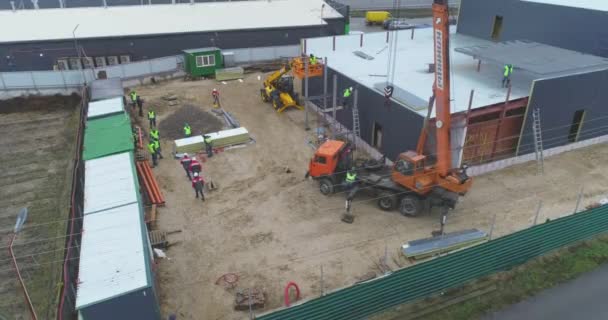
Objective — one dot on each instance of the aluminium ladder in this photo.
(538, 140)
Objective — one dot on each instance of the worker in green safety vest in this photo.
(154, 134)
(133, 95)
(208, 146)
(152, 149)
(313, 59)
(157, 148)
(506, 75)
(351, 178)
(152, 118)
(347, 96)
(187, 130)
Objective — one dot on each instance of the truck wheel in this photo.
(326, 187)
(410, 206)
(387, 201)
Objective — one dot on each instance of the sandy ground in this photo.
(37, 139)
(271, 227)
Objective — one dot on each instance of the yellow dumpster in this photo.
(376, 17)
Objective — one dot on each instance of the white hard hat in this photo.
(214, 89)
(196, 174)
(351, 88)
(185, 154)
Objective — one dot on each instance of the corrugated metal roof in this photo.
(107, 136)
(121, 21)
(536, 58)
(598, 5)
(105, 107)
(106, 89)
(109, 182)
(113, 260)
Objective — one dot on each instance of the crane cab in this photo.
(410, 171)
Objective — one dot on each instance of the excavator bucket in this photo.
(298, 67)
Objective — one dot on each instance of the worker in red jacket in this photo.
(197, 184)
(195, 166)
(216, 97)
(185, 161)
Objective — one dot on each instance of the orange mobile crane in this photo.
(411, 182)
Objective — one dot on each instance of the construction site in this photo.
(314, 185)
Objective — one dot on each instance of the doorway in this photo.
(377, 136)
(497, 28)
(577, 124)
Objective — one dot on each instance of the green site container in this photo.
(202, 62)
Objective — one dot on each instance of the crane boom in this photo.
(441, 88)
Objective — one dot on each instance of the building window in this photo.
(321, 160)
(205, 61)
(497, 28)
(577, 124)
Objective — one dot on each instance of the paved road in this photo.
(583, 298)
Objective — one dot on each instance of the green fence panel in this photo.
(453, 270)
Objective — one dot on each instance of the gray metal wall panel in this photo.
(558, 100)
(569, 28)
(140, 304)
(400, 126)
(27, 56)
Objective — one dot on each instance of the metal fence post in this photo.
(335, 102)
(34, 81)
(4, 87)
(322, 282)
(306, 127)
(540, 205)
(578, 199)
(492, 227)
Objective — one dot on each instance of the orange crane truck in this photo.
(411, 184)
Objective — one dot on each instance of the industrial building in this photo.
(73, 38)
(576, 25)
(489, 121)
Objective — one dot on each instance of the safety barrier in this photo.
(67, 299)
(453, 270)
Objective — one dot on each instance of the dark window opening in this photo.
(321, 160)
(575, 128)
(497, 28)
(515, 112)
(377, 136)
(485, 117)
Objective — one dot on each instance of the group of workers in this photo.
(193, 171)
(136, 100)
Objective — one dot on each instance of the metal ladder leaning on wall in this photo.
(356, 124)
(538, 141)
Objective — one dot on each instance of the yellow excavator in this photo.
(278, 90)
(278, 87)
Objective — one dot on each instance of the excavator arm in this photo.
(272, 79)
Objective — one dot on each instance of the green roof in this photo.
(107, 136)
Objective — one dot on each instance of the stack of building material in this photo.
(229, 137)
(192, 144)
(229, 74)
(150, 184)
(428, 247)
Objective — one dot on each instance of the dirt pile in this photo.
(200, 121)
(34, 103)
